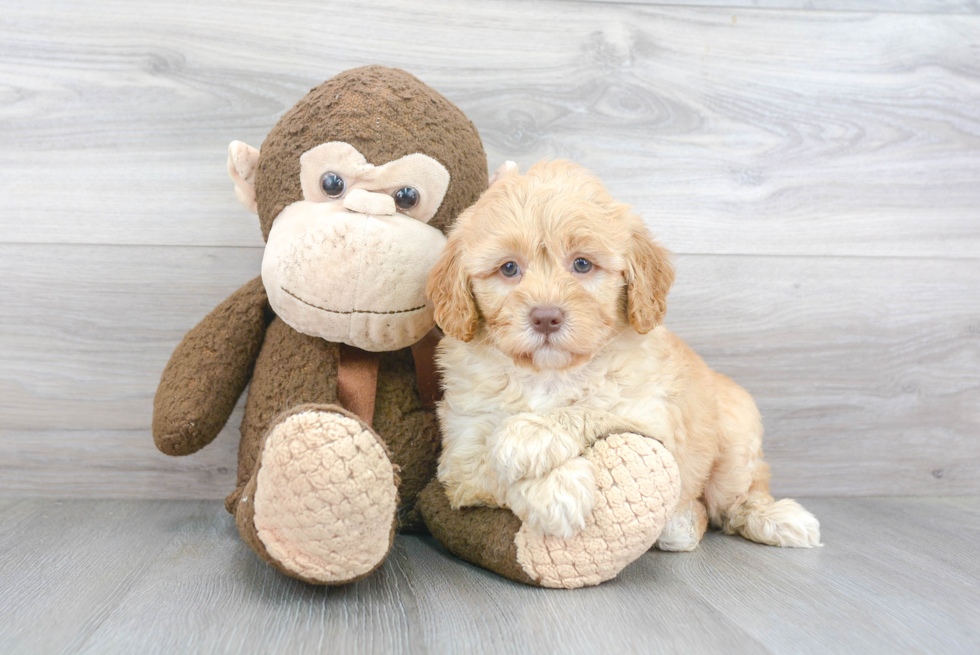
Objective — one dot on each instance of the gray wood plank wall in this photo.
(817, 173)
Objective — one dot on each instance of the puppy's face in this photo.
(551, 266)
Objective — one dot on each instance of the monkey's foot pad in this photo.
(325, 497)
(637, 488)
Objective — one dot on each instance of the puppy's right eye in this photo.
(510, 269)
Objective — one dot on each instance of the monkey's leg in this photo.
(315, 485)
(320, 505)
(637, 487)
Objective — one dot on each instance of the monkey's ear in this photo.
(243, 160)
(449, 290)
(505, 169)
(649, 276)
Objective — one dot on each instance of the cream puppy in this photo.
(551, 295)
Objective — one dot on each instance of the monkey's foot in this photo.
(637, 487)
(321, 504)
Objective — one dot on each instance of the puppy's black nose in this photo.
(547, 319)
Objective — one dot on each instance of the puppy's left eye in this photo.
(510, 269)
(582, 265)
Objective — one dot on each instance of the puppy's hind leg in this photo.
(774, 522)
(737, 491)
(685, 528)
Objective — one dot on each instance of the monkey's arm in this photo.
(208, 372)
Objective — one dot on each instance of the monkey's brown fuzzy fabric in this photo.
(386, 114)
(208, 371)
(291, 369)
(480, 535)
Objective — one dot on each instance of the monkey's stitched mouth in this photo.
(351, 311)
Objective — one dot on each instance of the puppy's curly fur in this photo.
(522, 403)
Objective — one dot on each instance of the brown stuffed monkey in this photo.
(354, 188)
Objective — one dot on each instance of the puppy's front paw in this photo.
(558, 502)
(530, 446)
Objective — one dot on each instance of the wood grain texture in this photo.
(895, 575)
(780, 132)
(877, 6)
(903, 579)
(865, 369)
(67, 565)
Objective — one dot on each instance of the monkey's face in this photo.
(349, 262)
(355, 186)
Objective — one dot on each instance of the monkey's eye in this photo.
(406, 198)
(510, 269)
(582, 265)
(332, 185)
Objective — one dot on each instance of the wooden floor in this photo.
(895, 575)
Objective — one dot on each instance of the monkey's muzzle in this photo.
(349, 277)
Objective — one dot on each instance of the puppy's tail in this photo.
(762, 519)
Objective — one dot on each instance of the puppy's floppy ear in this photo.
(449, 290)
(649, 276)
